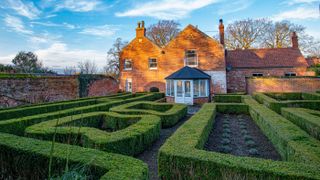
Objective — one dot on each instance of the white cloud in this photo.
(293, 2)
(59, 55)
(166, 9)
(26, 9)
(51, 24)
(103, 31)
(234, 6)
(299, 13)
(16, 25)
(72, 5)
(6, 59)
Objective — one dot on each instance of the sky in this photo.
(65, 32)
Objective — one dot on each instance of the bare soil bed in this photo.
(238, 135)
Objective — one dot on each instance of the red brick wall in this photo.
(292, 84)
(202, 100)
(236, 79)
(170, 59)
(103, 87)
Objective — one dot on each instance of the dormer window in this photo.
(127, 64)
(153, 63)
(191, 58)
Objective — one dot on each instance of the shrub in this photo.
(154, 89)
(277, 105)
(170, 114)
(306, 119)
(18, 125)
(226, 98)
(28, 158)
(132, 133)
(182, 157)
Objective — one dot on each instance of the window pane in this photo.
(172, 88)
(187, 88)
(196, 88)
(202, 88)
(191, 58)
(153, 63)
(127, 64)
(179, 88)
(168, 88)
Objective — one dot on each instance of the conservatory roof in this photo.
(189, 73)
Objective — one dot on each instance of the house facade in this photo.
(143, 65)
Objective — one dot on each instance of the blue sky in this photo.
(65, 32)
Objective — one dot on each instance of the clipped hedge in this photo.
(170, 114)
(18, 125)
(306, 119)
(130, 134)
(29, 158)
(227, 98)
(292, 143)
(182, 157)
(276, 105)
(52, 107)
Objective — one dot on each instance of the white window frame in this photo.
(153, 68)
(257, 74)
(124, 65)
(169, 89)
(199, 92)
(290, 74)
(196, 58)
(129, 80)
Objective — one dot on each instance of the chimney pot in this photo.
(142, 24)
(139, 23)
(140, 31)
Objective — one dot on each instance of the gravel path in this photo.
(150, 155)
(240, 136)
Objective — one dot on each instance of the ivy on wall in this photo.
(84, 82)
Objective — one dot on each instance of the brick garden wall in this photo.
(236, 79)
(20, 91)
(292, 84)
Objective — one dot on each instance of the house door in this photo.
(128, 85)
(184, 91)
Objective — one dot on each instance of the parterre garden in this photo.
(264, 136)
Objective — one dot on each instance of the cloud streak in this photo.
(166, 9)
(102, 31)
(16, 24)
(299, 13)
(26, 9)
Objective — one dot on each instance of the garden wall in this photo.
(20, 90)
(282, 84)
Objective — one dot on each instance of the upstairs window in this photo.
(127, 64)
(191, 58)
(257, 74)
(289, 74)
(153, 63)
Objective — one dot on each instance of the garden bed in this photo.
(238, 135)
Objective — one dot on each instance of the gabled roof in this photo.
(189, 73)
(268, 57)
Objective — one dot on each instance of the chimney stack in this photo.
(221, 31)
(140, 30)
(294, 39)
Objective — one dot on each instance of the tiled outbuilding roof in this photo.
(265, 58)
(189, 73)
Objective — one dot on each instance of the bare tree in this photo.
(88, 67)
(278, 34)
(163, 31)
(113, 64)
(245, 34)
(70, 70)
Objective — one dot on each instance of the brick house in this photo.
(143, 65)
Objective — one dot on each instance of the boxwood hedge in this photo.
(306, 119)
(309, 100)
(18, 125)
(130, 134)
(28, 158)
(292, 143)
(182, 157)
(57, 106)
(227, 98)
(170, 114)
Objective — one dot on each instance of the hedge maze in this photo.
(101, 138)
(183, 155)
(50, 140)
